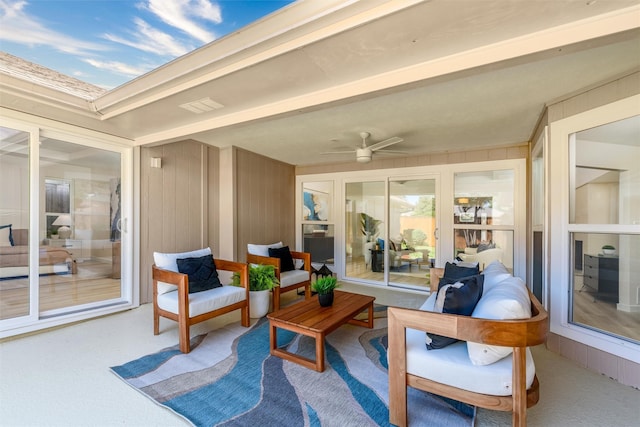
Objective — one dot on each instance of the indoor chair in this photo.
(289, 277)
(171, 297)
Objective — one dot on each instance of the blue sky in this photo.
(109, 42)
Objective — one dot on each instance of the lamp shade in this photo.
(64, 221)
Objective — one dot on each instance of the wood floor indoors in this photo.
(92, 283)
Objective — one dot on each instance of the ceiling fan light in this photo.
(363, 155)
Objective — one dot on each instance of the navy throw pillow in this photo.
(286, 260)
(455, 296)
(454, 271)
(201, 271)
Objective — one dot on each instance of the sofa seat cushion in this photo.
(288, 278)
(205, 301)
(452, 366)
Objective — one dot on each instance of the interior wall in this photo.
(265, 201)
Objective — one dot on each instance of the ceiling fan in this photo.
(364, 153)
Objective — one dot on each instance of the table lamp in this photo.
(64, 221)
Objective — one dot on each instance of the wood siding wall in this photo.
(265, 201)
(180, 207)
(178, 203)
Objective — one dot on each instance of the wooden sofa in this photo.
(517, 334)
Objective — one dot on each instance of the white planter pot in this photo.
(259, 303)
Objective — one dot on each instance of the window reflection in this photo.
(605, 284)
(604, 209)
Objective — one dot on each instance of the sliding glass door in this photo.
(61, 228)
(365, 226)
(390, 231)
(15, 297)
(80, 225)
(412, 231)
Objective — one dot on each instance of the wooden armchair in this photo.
(518, 334)
(289, 280)
(172, 300)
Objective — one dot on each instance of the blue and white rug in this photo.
(230, 379)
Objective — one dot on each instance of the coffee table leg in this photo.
(320, 353)
(273, 338)
(366, 323)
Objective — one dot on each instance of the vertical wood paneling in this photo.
(265, 189)
(171, 208)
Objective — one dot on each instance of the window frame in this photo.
(559, 228)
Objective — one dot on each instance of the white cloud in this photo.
(149, 39)
(118, 67)
(182, 14)
(18, 27)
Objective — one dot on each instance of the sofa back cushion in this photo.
(506, 300)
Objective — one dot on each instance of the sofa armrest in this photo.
(508, 333)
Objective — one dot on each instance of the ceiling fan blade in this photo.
(385, 143)
(392, 152)
(338, 152)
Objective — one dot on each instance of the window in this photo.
(604, 194)
(483, 215)
(594, 227)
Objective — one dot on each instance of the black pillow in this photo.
(202, 273)
(457, 296)
(454, 271)
(286, 260)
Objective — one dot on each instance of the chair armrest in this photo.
(170, 277)
(264, 260)
(235, 267)
(305, 257)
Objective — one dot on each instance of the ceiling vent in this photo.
(202, 105)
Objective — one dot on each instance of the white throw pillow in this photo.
(262, 250)
(508, 299)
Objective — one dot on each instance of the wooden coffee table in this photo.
(310, 319)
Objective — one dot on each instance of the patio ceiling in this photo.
(312, 76)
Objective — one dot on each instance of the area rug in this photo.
(230, 379)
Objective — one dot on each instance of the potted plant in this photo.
(369, 226)
(262, 279)
(608, 250)
(324, 286)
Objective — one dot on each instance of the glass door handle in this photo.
(436, 233)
